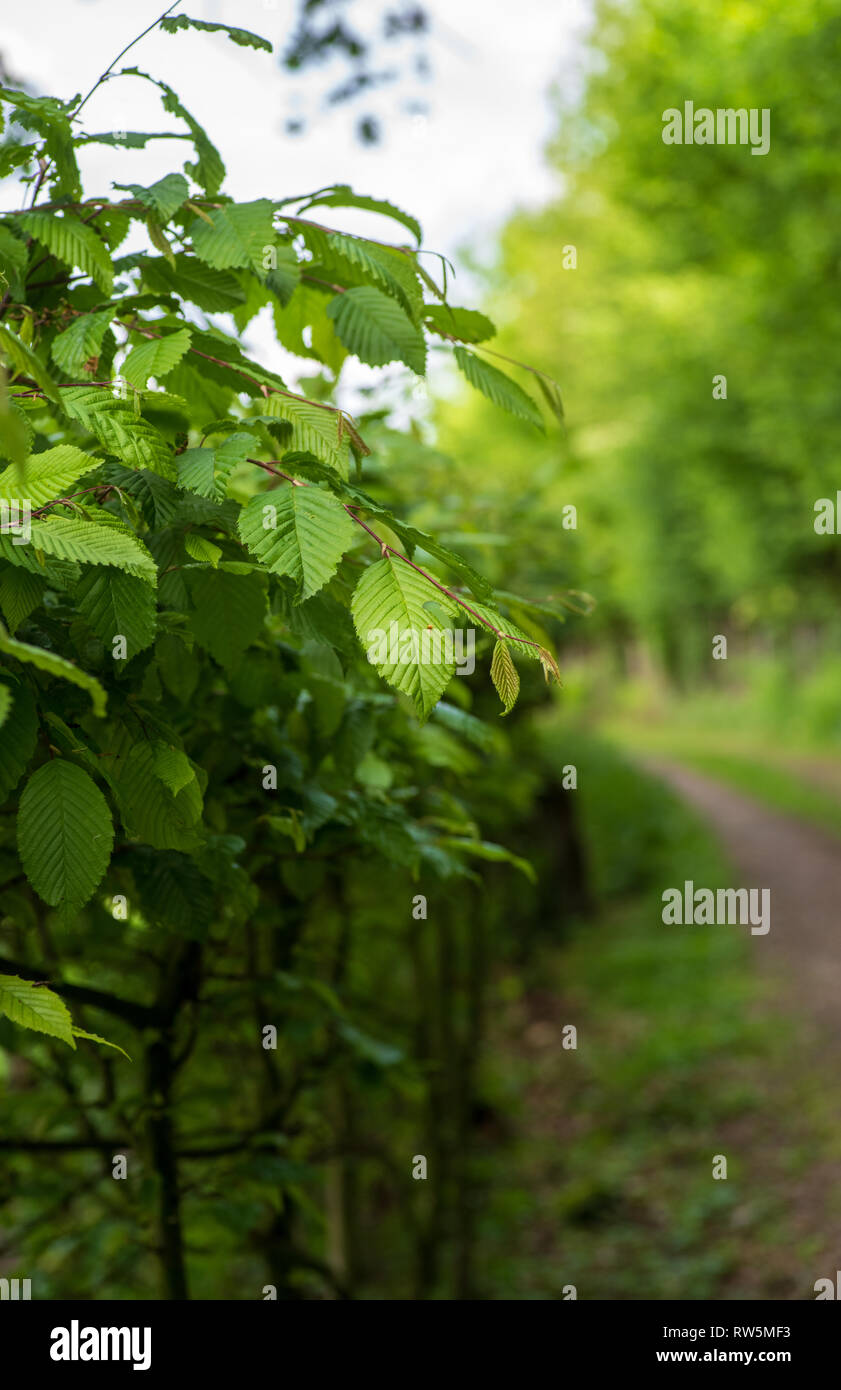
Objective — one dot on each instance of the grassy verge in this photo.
(796, 783)
(682, 1054)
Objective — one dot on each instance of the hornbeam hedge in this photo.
(217, 665)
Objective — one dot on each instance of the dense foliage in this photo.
(233, 761)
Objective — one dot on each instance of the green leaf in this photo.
(113, 422)
(129, 139)
(50, 116)
(116, 604)
(31, 1005)
(13, 257)
(496, 854)
(202, 550)
(94, 1037)
(20, 594)
(229, 613)
(505, 676)
(73, 242)
(19, 737)
(300, 531)
(366, 262)
(159, 239)
(155, 496)
(54, 665)
(516, 638)
(45, 476)
(206, 471)
(176, 896)
(551, 393)
(81, 342)
(24, 362)
(208, 170)
(238, 236)
(244, 37)
(394, 611)
(65, 835)
(16, 433)
(148, 808)
(315, 430)
(214, 291)
(341, 195)
(163, 198)
(498, 387)
(69, 538)
(466, 324)
(14, 156)
(284, 279)
(376, 329)
(155, 357)
(5, 703)
(372, 1049)
(173, 767)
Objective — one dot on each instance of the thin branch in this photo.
(387, 549)
(139, 1015)
(114, 61)
(265, 389)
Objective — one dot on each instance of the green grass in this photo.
(683, 1053)
(763, 772)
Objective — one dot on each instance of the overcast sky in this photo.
(461, 169)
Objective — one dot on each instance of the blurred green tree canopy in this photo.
(691, 262)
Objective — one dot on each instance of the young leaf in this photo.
(505, 676)
(65, 835)
(163, 198)
(199, 548)
(155, 357)
(81, 342)
(206, 470)
(94, 1037)
(394, 612)
(468, 325)
(173, 767)
(244, 37)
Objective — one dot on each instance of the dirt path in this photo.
(802, 867)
